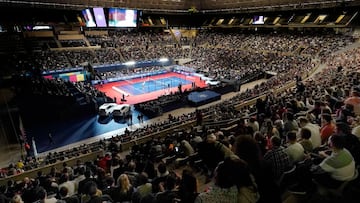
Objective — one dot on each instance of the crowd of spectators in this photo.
(262, 147)
(90, 92)
(155, 107)
(108, 56)
(45, 100)
(32, 162)
(134, 53)
(348, 60)
(104, 41)
(50, 60)
(61, 88)
(80, 57)
(130, 45)
(137, 38)
(207, 38)
(129, 72)
(73, 43)
(234, 64)
(236, 55)
(186, 41)
(154, 127)
(219, 110)
(239, 53)
(155, 52)
(278, 143)
(139, 46)
(314, 44)
(247, 164)
(62, 60)
(56, 87)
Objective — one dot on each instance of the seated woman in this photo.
(232, 183)
(125, 189)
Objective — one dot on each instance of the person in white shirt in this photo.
(339, 165)
(315, 131)
(80, 177)
(69, 184)
(295, 150)
(356, 127)
(42, 197)
(253, 124)
(356, 131)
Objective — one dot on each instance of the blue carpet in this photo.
(204, 97)
(152, 85)
(70, 131)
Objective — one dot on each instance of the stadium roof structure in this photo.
(188, 5)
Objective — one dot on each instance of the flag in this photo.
(34, 147)
(22, 130)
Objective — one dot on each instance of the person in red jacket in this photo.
(27, 149)
(105, 162)
(328, 127)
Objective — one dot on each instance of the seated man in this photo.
(277, 157)
(339, 165)
(168, 192)
(314, 129)
(294, 149)
(305, 140)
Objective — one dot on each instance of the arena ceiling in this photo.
(185, 5)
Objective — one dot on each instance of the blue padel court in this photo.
(152, 85)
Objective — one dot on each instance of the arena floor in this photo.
(12, 153)
(148, 88)
(75, 129)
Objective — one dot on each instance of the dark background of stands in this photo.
(10, 15)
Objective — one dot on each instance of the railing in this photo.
(127, 145)
(221, 123)
(75, 48)
(39, 34)
(71, 37)
(96, 33)
(46, 169)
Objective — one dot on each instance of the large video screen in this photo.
(100, 17)
(89, 20)
(122, 17)
(258, 20)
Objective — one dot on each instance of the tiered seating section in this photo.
(157, 143)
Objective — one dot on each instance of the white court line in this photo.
(190, 77)
(181, 80)
(119, 90)
(132, 86)
(163, 84)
